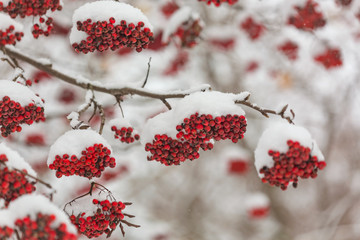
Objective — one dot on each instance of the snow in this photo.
(213, 102)
(256, 200)
(275, 138)
(31, 204)
(6, 21)
(102, 11)
(74, 142)
(15, 160)
(5, 219)
(119, 122)
(18, 93)
(74, 119)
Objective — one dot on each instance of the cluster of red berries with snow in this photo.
(252, 28)
(288, 167)
(13, 183)
(200, 129)
(5, 232)
(307, 18)
(125, 134)
(8, 36)
(38, 29)
(105, 219)
(92, 162)
(189, 33)
(104, 35)
(330, 59)
(25, 8)
(194, 133)
(219, 2)
(12, 114)
(41, 228)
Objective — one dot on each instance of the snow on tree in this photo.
(101, 91)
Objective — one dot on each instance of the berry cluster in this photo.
(38, 30)
(13, 183)
(189, 32)
(177, 64)
(9, 36)
(290, 49)
(5, 232)
(169, 8)
(288, 167)
(103, 35)
(42, 228)
(91, 163)
(194, 133)
(219, 2)
(105, 219)
(200, 129)
(252, 28)
(307, 18)
(125, 134)
(331, 58)
(12, 114)
(25, 8)
(170, 151)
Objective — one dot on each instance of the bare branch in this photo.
(147, 74)
(266, 112)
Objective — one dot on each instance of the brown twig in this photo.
(147, 74)
(266, 112)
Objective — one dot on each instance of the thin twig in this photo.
(266, 112)
(147, 74)
(167, 104)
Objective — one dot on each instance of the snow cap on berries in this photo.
(32, 204)
(14, 160)
(275, 138)
(212, 102)
(116, 18)
(19, 93)
(74, 142)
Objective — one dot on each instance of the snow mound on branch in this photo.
(6, 21)
(275, 138)
(19, 93)
(15, 160)
(102, 11)
(74, 142)
(32, 204)
(214, 103)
